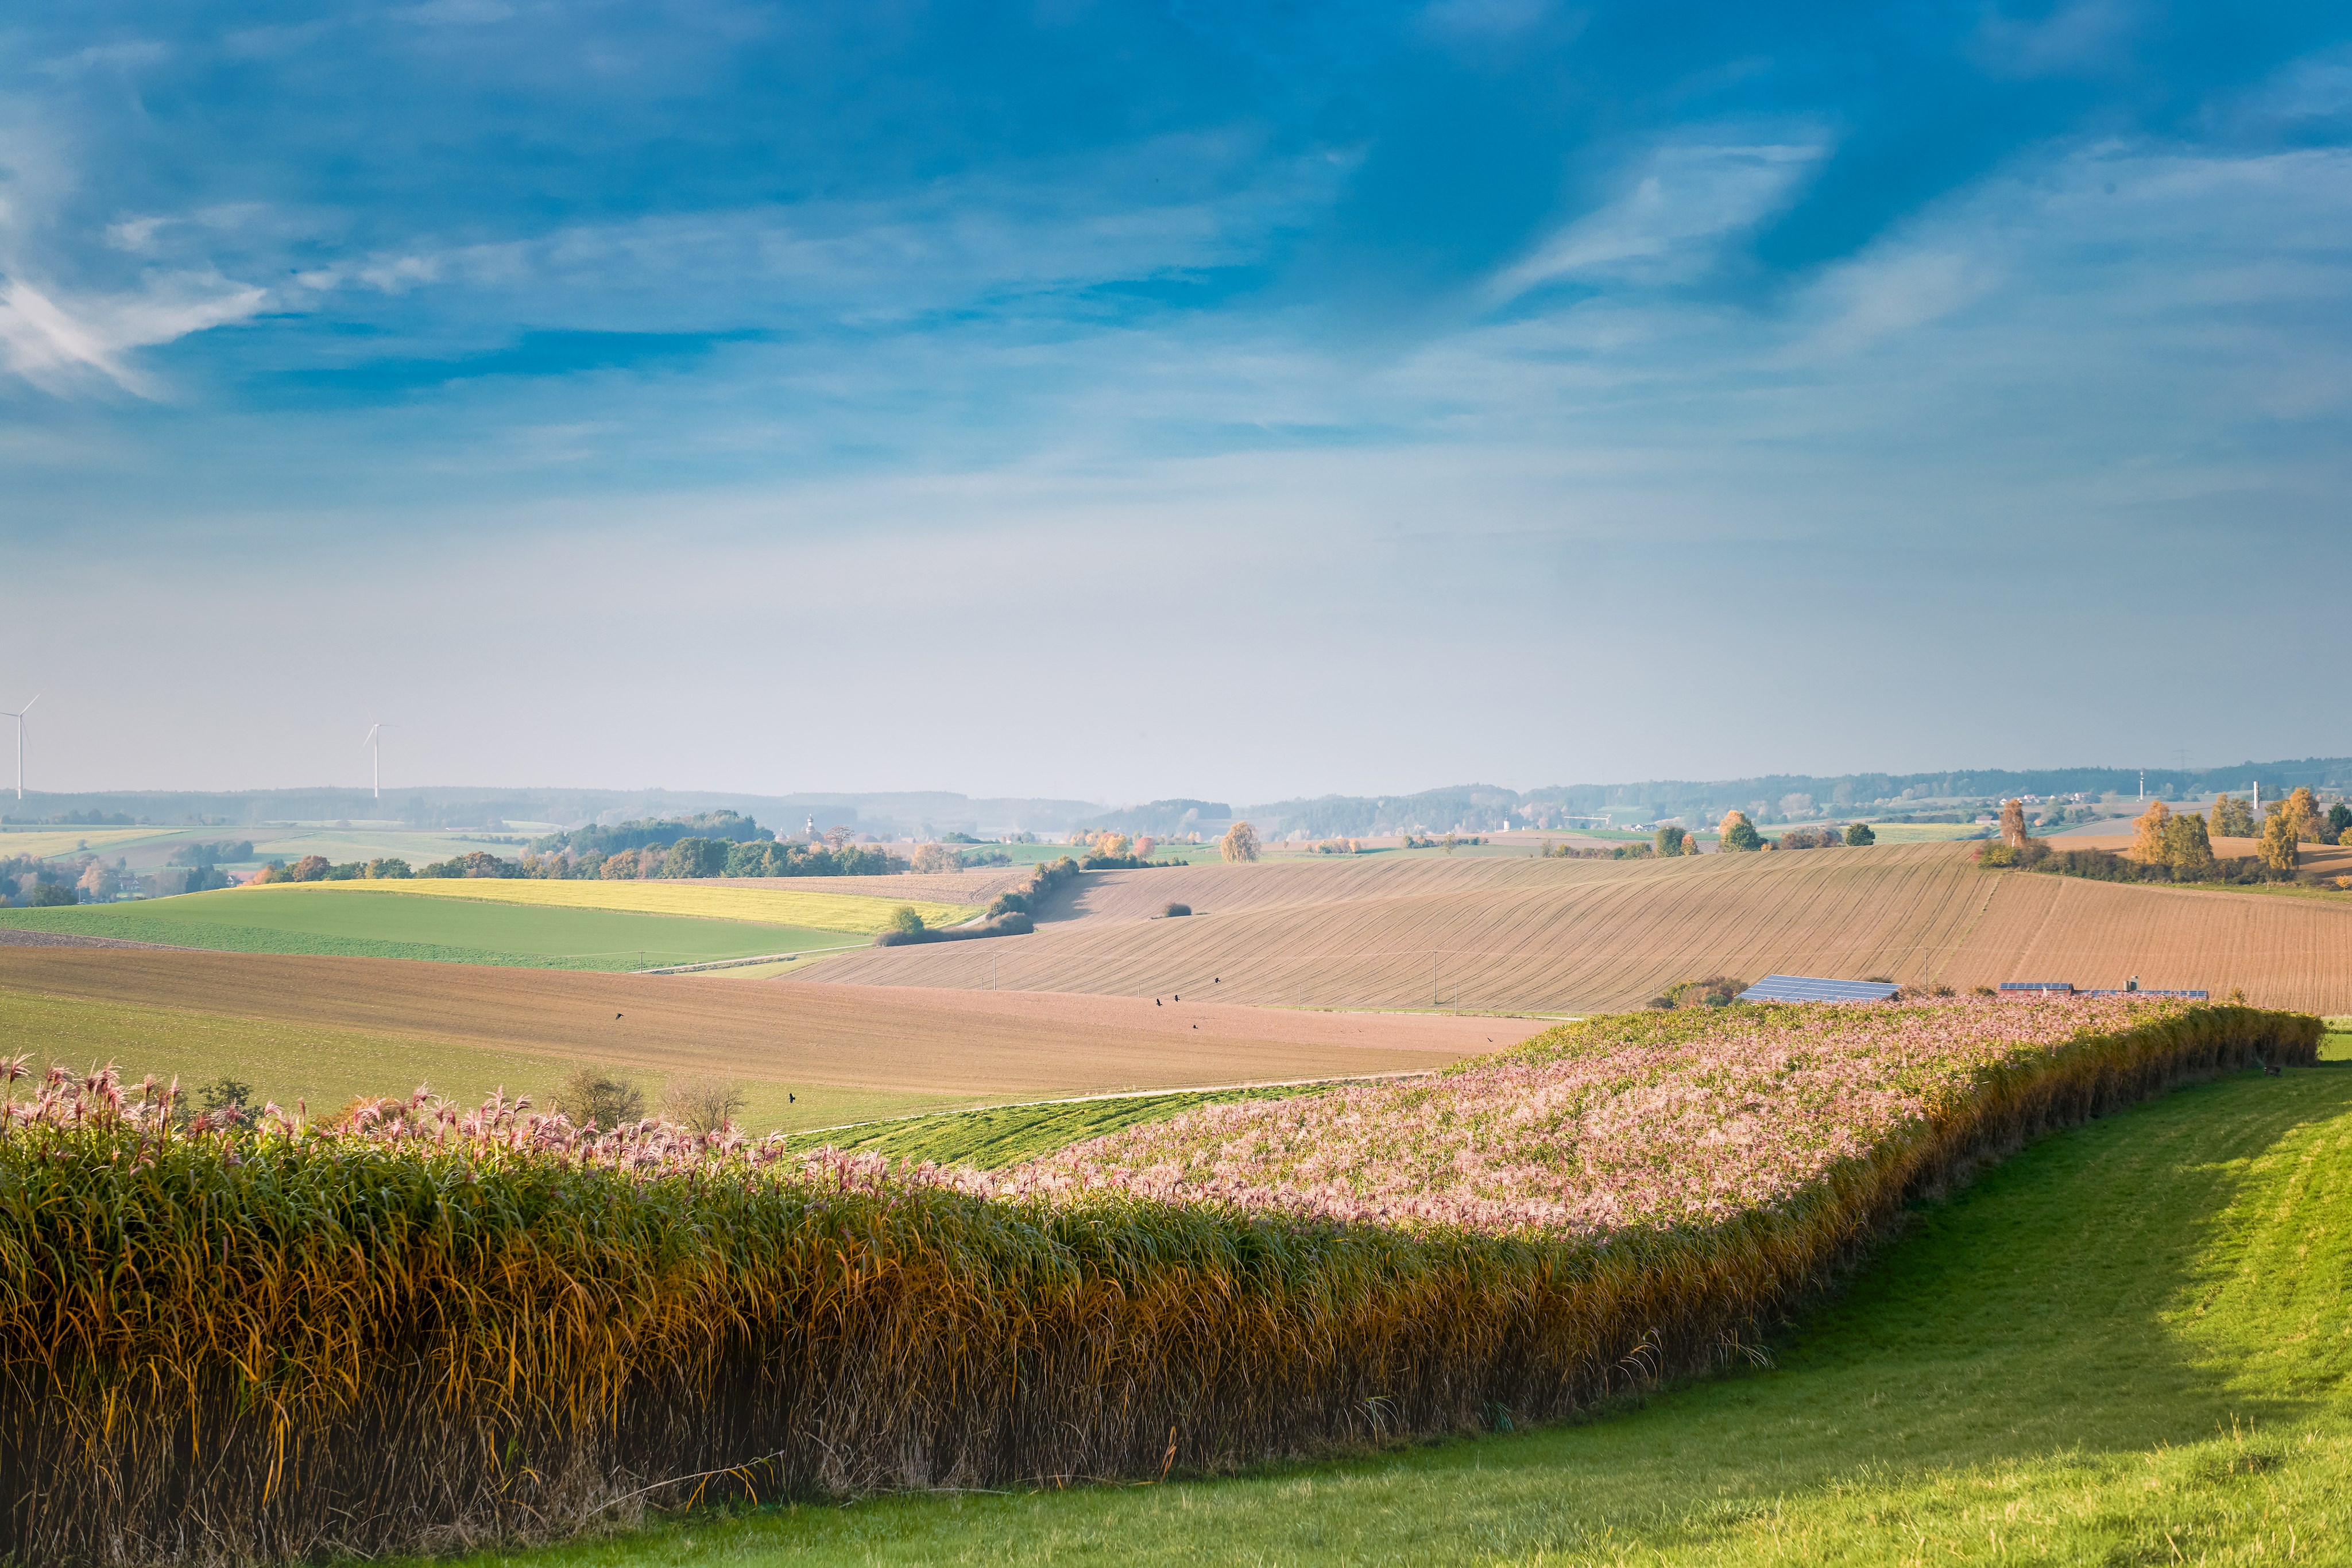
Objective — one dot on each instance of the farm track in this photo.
(966, 1044)
(1499, 934)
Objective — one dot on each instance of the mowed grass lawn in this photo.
(315, 918)
(2126, 1346)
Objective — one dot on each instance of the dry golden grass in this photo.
(1591, 935)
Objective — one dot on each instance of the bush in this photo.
(1859, 836)
(705, 1104)
(50, 895)
(1174, 910)
(600, 1097)
(1738, 833)
(905, 920)
(1810, 839)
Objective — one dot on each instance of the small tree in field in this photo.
(2147, 832)
(1674, 841)
(1240, 842)
(2012, 823)
(2278, 850)
(1860, 836)
(905, 920)
(1739, 833)
(594, 1094)
(2187, 846)
(2231, 818)
(703, 1104)
(2302, 812)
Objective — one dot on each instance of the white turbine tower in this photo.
(19, 717)
(375, 748)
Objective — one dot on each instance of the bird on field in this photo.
(791, 1099)
(616, 1015)
(1180, 999)
(1155, 1002)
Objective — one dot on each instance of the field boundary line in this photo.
(739, 963)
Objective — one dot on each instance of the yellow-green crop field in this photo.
(43, 843)
(768, 907)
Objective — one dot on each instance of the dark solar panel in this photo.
(1807, 989)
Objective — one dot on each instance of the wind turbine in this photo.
(375, 747)
(19, 717)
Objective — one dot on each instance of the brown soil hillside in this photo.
(1584, 935)
(1481, 935)
(1000, 1045)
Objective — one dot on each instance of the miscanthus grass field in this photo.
(434, 1327)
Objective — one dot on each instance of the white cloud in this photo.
(63, 346)
(1668, 227)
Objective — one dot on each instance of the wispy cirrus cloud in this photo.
(67, 345)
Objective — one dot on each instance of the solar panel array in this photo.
(1808, 988)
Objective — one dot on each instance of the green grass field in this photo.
(328, 1067)
(1005, 1134)
(2129, 1344)
(339, 918)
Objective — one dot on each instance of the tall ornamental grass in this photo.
(221, 1342)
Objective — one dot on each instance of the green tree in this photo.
(696, 857)
(2278, 850)
(1859, 835)
(2302, 812)
(1240, 842)
(2339, 818)
(2186, 848)
(1674, 841)
(1739, 833)
(904, 920)
(2231, 818)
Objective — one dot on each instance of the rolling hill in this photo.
(1502, 934)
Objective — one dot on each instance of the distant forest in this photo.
(937, 814)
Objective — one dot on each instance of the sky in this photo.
(1118, 402)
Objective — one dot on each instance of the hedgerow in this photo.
(219, 1342)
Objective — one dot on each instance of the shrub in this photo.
(1739, 833)
(906, 921)
(1859, 835)
(1175, 910)
(1674, 841)
(50, 895)
(390, 867)
(703, 1104)
(1810, 839)
(601, 1098)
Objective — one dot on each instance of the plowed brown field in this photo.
(976, 886)
(1571, 936)
(972, 1048)
(1483, 935)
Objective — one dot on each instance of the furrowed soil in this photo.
(1533, 934)
(339, 1026)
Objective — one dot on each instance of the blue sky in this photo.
(1124, 401)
